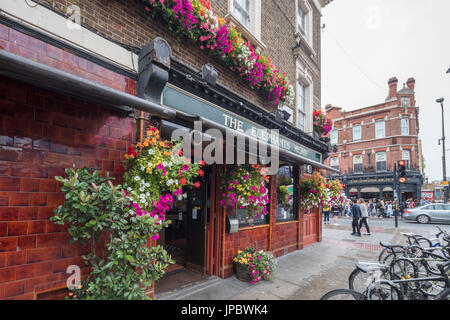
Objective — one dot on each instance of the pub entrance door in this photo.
(185, 238)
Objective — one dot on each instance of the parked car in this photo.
(429, 213)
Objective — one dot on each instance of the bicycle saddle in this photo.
(390, 245)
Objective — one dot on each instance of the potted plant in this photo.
(254, 266)
(241, 264)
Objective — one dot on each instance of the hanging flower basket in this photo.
(322, 124)
(244, 187)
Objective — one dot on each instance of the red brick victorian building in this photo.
(80, 95)
(371, 139)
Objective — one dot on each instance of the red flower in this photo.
(200, 172)
(183, 181)
(202, 163)
(197, 184)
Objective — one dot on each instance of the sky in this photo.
(366, 42)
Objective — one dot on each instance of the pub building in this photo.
(368, 142)
(64, 106)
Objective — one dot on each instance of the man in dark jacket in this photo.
(356, 215)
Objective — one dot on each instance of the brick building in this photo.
(371, 139)
(70, 96)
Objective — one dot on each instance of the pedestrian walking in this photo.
(335, 210)
(390, 210)
(364, 216)
(326, 214)
(372, 209)
(356, 215)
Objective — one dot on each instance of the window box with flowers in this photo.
(196, 21)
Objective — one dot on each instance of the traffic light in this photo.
(401, 171)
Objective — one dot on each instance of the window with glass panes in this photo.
(242, 215)
(358, 163)
(242, 11)
(286, 199)
(357, 133)
(380, 129)
(301, 106)
(334, 163)
(380, 158)
(301, 20)
(405, 127)
(334, 136)
(406, 102)
(406, 155)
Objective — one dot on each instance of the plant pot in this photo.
(241, 271)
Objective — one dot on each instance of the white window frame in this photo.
(301, 113)
(243, 8)
(405, 102)
(377, 157)
(355, 136)
(405, 127)
(307, 32)
(358, 160)
(378, 134)
(406, 156)
(252, 31)
(334, 162)
(334, 136)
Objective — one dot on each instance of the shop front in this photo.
(205, 235)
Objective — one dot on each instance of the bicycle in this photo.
(344, 294)
(412, 287)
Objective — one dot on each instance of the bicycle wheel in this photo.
(402, 269)
(344, 294)
(359, 280)
(384, 290)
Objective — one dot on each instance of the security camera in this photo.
(440, 100)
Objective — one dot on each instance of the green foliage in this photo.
(94, 207)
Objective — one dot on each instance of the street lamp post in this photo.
(444, 169)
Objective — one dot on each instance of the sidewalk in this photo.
(302, 275)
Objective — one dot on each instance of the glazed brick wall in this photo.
(126, 21)
(41, 134)
(31, 48)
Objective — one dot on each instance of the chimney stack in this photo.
(393, 87)
(411, 83)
